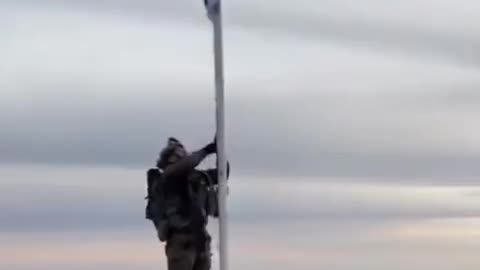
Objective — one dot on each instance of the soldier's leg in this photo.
(180, 252)
(203, 261)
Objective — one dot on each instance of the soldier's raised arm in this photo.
(188, 163)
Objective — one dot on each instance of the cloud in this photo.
(111, 91)
(369, 146)
(372, 25)
(341, 245)
(352, 130)
(64, 199)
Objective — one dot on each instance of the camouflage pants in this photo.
(183, 254)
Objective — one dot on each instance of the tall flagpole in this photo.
(214, 10)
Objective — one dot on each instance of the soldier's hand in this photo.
(211, 147)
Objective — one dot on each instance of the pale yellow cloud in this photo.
(86, 250)
(442, 244)
(465, 230)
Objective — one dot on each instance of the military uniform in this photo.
(187, 239)
(183, 254)
(180, 200)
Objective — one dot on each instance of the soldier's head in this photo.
(171, 153)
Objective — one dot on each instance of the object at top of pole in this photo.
(213, 8)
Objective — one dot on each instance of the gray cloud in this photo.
(366, 32)
(405, 33)
(260, 141)
(47, 208)
(322, 90)
(71, 199)
(114, 97)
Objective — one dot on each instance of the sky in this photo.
(351, 130)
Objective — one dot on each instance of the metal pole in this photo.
(216, 18)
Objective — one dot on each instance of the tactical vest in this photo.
(164, 209)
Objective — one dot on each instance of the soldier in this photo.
(181, 198)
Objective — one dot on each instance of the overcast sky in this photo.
(369, 107)
(331, 87)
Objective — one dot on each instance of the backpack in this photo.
(155, 209)
(154, 192)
